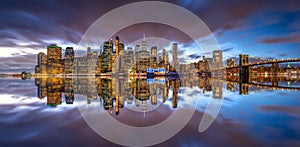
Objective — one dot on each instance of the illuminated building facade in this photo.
(41, 67)
(153, 57)
(104, 59)
(117, 46)
(175, 63)
(217, 62)
(54, 59)
(69, 59)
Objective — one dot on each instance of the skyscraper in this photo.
(144, 44)
(104, 64)
(217, 59)
(121, 48)
(137, 49)
(154, 51)
(69, 58)
(143, 53)
(117, 46)
(111, 46)
(175, 56)
(153, 57)
(41, 67)
(54, 59)
(164, 55)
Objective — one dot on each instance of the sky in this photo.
(269, 28)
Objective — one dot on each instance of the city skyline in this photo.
(256, 28)
(114, 58)
(149, 73)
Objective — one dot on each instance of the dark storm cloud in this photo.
(194, 56)
(289, 38)
(67, 20)
(227, 49)
(282, 55)
(289, 110)
(21, 58)
(18, 63)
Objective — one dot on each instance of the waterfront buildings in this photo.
(114, 59)
(54, 59)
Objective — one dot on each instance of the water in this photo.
(82, 111)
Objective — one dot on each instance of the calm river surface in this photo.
(77, 112)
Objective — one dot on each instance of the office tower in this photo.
(167, 63)
(130, 53)
(144, 44)
(118, 64)
(217, 59)
(86, 64)
(117, 46)
(153, 55)
(175, 56)
(91, 63)
(41, 67)
(142, 58)
(69, 58)
(167, 58)
(143, 53)
(154, 51)
(137, 49)
(111, 46)
(104, 64)
(129, 59)
(164, 53)
(121, 48)
(202, 65)
(54, 59)
(103, 60)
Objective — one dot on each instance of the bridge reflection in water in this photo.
(113, 93)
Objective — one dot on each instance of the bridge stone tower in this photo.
(244, 68)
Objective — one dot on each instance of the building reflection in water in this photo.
(113, 93)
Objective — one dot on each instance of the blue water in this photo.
(261, 117)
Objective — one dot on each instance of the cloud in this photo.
(35, 24)
(194, 56)
(289, 110)
(283, 55)
(18, 63)
(289, 38)
(227, 49)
